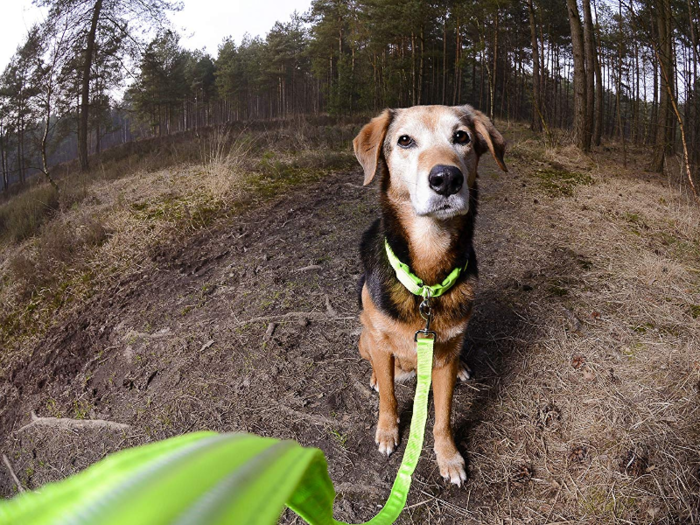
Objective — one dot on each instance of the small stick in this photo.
(6, 460)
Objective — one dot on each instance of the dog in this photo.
(426, 159)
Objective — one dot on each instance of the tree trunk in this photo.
(581, 135)
(85, 91)
(413, 69)
(444, 60)
(598, 124)
(45, 137)
(665, 54)
(3, 160)
(456, 83)
(492, 86)
(537, 118)
(421, 70)
(590, 52)
(694, 105)
(619, 88)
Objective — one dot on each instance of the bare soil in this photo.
(584, 344)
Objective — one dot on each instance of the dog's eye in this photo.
(405, 141)
(461, 137)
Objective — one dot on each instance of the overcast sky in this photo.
(203, 23)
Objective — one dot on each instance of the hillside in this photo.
(220, 294)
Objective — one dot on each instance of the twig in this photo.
(317, 316)
(674, 106)
(686, 157)
(5, 460)
(309, 268)
(68, 423)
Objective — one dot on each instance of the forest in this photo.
(87, 78)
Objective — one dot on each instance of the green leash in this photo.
(399, 491)
(425, 341)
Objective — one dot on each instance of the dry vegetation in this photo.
(56, 249)
(219, 294)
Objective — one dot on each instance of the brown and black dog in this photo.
(426, 158)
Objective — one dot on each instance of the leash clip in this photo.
(425, 307)
(426, 312)
(426, 334)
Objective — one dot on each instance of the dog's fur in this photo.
(432, 234)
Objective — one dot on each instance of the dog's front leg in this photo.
(449, 459)
(387, 436)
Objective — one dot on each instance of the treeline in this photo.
(606, 70)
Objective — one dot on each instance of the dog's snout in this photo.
(445, 180)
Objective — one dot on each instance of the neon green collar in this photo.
(415, 284)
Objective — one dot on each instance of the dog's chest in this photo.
(451, 313)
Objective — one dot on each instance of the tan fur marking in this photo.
(428, 159)
(397, 337)
(429, 246)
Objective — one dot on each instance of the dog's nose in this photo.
(445, 180)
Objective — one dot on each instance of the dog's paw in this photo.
(464, 373)
(387, 439)
(452, 468)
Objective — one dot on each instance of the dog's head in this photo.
(430, 153)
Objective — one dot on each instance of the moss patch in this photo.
(694, 310)
(560, 182)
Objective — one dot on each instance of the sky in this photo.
(203, 23)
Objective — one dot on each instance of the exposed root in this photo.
(67, 423)
(309, 268)
(7, 463)
(295, 316)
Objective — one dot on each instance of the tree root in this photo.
(295, 316)
(7, 463)
(66, 423)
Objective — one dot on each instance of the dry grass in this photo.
(616, 353)
(56, 250)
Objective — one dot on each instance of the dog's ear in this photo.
(368, 144)
(489, 139)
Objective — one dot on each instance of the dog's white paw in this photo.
(464, 373)
(387, 439)
(452, 468)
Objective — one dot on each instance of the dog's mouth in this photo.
(446, 208)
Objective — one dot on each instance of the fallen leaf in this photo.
(521, 474)
(578, 361)
(578, 454)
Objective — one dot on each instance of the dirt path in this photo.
(584, 406)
